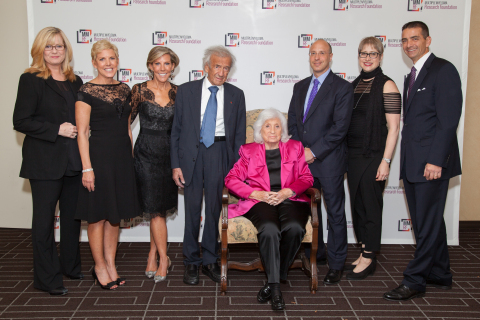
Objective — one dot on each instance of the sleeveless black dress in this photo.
(158, 191)
(115, 196)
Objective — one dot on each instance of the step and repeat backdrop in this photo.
(271, 40)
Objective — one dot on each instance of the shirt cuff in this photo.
(313, 154)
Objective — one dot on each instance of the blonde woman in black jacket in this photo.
(45, 113)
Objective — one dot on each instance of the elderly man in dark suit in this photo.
(208, 130)
(319, 116)
(432, 105)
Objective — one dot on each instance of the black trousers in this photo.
(334, 197)
(426, 203)
(208, 176)
(47, 266)
(280, 232)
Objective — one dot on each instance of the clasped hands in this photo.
(270, 197)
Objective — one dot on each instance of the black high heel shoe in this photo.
(108, 286)
(350, 267)
(120, 280)
(370, 270)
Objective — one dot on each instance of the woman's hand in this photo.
(281, 196)
(88, 180)
(263, 196)
(383, 171)
(68, 130)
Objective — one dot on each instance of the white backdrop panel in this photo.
(270, 39)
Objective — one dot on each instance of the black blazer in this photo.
(186, 125)
(327, 123)
(430, 120)
(40, 109)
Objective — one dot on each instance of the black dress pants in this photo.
(47, 266)
(208, 176)
(280, 233)
(426, 203)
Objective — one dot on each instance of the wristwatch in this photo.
(387, 160)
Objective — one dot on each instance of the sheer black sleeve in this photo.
(392, 102)
(135, 101)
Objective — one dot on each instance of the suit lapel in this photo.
(287, 164)
(227, 108)
(52, 84)
(419, 80)
(197, 106)
(322, 92)
(262, 165)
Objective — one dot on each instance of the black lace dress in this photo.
(159, 194)
(115, 196)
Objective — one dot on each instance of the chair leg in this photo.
(224, 266)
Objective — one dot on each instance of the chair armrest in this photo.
(225, 209)
(315, 199)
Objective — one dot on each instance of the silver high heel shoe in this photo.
(150, 274)
(159, 278)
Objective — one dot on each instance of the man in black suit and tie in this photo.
(432, 105)
(319, 116)
(208, 130)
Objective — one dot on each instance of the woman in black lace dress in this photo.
(153, 100)
(109, 192)
(371, 140)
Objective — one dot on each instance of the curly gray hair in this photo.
(265, 115)
(220, 52)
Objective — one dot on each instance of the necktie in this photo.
(207, 132)
(411, 81)
(312, 96)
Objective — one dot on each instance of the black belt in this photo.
(222, 138)
(161, 133)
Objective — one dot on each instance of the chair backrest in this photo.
(252, 116)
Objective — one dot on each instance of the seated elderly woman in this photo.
(270, 179)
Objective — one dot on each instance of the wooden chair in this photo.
(241, 230)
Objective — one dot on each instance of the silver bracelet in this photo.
(386, 160)
(86, 170)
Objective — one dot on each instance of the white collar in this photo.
(207, 84)
(421, 61)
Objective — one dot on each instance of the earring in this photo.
(171, 74)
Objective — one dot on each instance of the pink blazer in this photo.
(250, 173)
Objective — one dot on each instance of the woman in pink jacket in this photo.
(270, 178)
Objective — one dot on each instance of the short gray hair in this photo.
(265, 115)
(220, 52)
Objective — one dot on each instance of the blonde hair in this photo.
(372, 41)
(158, 52)
(45, 37)
(101, 45)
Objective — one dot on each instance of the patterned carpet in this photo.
(142, 299)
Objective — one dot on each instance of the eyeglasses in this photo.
(373, 55)
(59, 47)
(321, 53)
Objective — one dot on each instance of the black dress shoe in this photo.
(78, 276)
(264, 294)
(437, 284)
(370, 270)
(402, 293)
(333, 276)
(191, 275)
(60, 291)
(278, 304)
(212, 271)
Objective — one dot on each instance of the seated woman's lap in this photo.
(287, 217)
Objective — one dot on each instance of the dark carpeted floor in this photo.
(142, 299)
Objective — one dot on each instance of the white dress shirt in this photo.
(220, 126)
(421, 62)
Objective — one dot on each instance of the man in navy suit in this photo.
(208, 130)
(319, 116)
(432, 105)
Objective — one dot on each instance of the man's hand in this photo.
(177, 176)
(309, 156)
(432, 172)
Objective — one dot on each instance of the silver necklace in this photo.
(362, 92)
